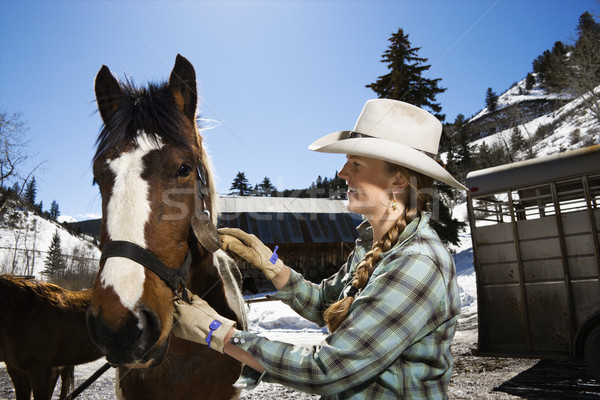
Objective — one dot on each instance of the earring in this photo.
(394, 204)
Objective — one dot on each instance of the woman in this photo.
(392, 308)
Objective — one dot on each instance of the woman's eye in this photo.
(184, 171)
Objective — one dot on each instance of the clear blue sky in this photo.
(273, 75)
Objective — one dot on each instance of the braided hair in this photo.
(419, 200)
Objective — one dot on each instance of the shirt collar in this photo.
(365, 230)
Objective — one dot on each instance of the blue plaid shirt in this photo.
(395, 343)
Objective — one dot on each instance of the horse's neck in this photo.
(216, 278)
(204, 279)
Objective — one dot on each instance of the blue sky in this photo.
(273, 75)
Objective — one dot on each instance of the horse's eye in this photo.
(184, 171)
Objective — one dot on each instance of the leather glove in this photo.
(198, 322)
(251, 249)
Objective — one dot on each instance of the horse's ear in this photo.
(183, 85)
(108, 93)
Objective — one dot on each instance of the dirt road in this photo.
(474, 378)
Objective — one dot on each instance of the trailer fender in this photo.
(583, 333)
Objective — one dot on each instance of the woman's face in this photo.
(370, 185)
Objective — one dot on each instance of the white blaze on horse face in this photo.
(127, 212)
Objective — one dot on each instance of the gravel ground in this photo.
(473, 378)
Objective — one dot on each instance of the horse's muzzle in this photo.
(133, 342)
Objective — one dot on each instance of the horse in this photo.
(43, 334)
(158, 235)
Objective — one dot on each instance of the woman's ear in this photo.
(399, 181)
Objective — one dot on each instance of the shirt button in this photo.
(242, 341)
(236, 340)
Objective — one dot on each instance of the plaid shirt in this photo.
(395, 342)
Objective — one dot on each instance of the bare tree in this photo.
(583, 75)
(12, 145)
(13, 156)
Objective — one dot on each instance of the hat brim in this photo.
(386, 150)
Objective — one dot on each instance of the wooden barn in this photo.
(315, 236)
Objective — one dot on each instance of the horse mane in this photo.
(151, 109)
(212, 187)
(17, 291)
(154, 111)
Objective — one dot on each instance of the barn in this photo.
(315, 236)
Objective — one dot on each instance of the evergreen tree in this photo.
(338, 188)
(588, 26)
(266, 188)
(447, 227)
(405, 81)
(460, 160)
(54, 212)
(241, 185)
(551, 66)
(529, 81)
(55, 261)
(517, 141)
(583, 75)
(491, 100)
(31, 191)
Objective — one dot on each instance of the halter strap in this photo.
(172, 277)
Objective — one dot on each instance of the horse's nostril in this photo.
(150, 330)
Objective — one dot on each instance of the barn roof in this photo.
(284, 220)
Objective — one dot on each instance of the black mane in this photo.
(152, 110)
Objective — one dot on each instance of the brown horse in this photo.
(43, 333)
(157, 193)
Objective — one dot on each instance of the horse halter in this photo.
(206, 234)
(172, 277)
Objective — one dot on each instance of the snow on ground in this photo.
(575, 125)
(36, 234)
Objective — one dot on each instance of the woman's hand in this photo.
(251, 249)
(198, 322)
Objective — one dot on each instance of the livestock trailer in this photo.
(534, 227)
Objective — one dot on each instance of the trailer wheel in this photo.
(592, 351)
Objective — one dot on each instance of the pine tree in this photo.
(55, 261)
(31, 191)
(588, 26)
(529, 81)
(54, 212)
(484, 156)
(338, 188)
(241, 185)
(460, 160)
(583, 74)
(551, 66)
(266, 188)
(491, 100)
(517, 141)
(405, 81)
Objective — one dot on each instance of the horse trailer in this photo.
(534, 227)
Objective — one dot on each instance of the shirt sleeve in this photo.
(309, 299)
(399, 306)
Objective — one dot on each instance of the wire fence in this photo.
(78, 268)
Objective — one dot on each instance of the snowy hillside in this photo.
(570, 127)
(32, 239)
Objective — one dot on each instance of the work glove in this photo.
(251, 249)
(198, 322)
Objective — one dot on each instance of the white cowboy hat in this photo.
(393, 131)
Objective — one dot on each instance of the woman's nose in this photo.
(343, 173)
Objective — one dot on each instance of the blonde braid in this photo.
(337, 312)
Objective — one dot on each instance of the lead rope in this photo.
(88, 382)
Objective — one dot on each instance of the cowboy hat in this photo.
(393, 131)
